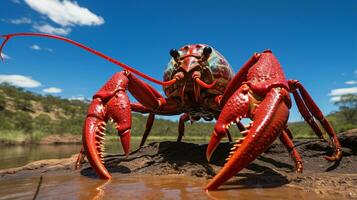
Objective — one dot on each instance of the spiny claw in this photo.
(93, 140)
(212, 145)
(269, 120)
(125, 141)
(93, 144)
(110, 103)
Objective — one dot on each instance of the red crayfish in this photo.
(199, 83)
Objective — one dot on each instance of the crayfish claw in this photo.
(212, 145)
(110, 103)
(125, 141)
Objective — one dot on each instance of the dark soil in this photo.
(272, 169)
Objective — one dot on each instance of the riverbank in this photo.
(20, 138)
(273, 169)
(16, 138)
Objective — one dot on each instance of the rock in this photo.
(39, 167)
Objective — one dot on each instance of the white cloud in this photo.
(342, 91)
(39, 48)
(19, 80)
(4, 56)
(335, 98)
(80, 98)
(337, 93)
(65, 12)
(77, 98)
(35, 47)
(23, 20)
(53, 90)
(351, 82)
(46, 28)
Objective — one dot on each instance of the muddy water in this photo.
(19, 155)
(75, 186)
(72, 185)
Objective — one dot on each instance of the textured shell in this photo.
(266, 74)
(218, 66)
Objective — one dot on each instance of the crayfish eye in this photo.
(174, 53)
(207, 51)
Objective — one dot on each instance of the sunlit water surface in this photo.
(72, 185)
(75, 186)
(19, 155)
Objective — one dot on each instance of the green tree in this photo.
(43, 123)
(23, 121)
(348, 107)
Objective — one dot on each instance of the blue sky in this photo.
(315, 40)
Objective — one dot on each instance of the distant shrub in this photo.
(55, 115)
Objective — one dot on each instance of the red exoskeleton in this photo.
(199, 83)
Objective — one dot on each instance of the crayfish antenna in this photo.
(93, 51)
(2, 46)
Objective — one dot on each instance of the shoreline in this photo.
(57, 139)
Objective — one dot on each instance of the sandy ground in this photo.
(272, 169)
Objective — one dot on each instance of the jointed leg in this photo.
(168, 108)
(288, 143)
(288, 132)
(240, 126)
(181, 128)
(148, 127)
(80, 159)
(305, 112)
(306, 106)
(229, 136)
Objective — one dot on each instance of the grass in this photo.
(20, 137)
(299, 130)
(36, 136)
(14, 137)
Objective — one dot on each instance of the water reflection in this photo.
(95, 191)
(71, 185)
(19, 155)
